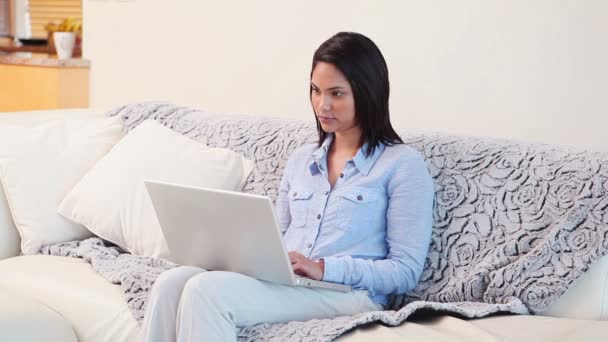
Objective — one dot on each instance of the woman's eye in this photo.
(316, 91)
(338, 93)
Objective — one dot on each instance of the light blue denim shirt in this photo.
(373, 229)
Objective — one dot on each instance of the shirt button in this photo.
(360, 198)
(309, 245)
(318, 216)
(326, 193)
(295, 194)
(341, 175)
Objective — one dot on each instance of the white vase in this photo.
(64, 44)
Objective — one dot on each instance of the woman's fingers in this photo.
(293, 257)
(299, 269)
(302, 268)
(301, 273)
(296, 257)
(305, 267)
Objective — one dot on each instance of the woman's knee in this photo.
(174, 280)
(216, 287)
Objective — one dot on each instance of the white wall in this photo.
(534, 70)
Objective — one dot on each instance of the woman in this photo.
(355, 209)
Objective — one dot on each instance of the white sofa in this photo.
(63, 299)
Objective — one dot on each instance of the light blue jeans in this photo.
(188, 304)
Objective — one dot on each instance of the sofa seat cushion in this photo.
(95, 308)
(19, 313)
(444, 328)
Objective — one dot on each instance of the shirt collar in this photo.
(362, 162)
(319, 156)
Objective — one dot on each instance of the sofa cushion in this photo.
(9, 236)
(36, 117)
(39, 165)
(19, 314)
(444, 328)
(587, 298)
(97, 311)
(111, 199)
(95, 308)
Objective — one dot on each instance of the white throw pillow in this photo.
(40, 164)
(112, 201)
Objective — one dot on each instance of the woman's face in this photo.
(332, 99)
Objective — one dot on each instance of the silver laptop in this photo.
(225, 231)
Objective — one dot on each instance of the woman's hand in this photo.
(305, 267)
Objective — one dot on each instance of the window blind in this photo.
(5, 18)
(44, 11)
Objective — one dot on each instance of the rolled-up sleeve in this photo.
(409, 225)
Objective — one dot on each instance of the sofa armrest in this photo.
(587, 298)
(10, 241)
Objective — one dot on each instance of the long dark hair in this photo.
(363, 65)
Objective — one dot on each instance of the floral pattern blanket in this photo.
(515, 224)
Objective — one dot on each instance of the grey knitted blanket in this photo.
(514, 223)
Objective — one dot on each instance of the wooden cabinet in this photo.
(44, 83)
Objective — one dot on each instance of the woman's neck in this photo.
(347, 143)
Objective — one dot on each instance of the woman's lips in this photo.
(326, 119)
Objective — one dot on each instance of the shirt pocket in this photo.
(299, 203)
(357, 207)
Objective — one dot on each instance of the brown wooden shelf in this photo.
(37, 49)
